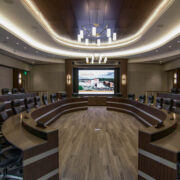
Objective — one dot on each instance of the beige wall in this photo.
(49, 78)
(6, 78)
(172, 65)
(146, 77)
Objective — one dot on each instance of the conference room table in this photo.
(158, 149)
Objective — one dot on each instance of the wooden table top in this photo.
(15, 134)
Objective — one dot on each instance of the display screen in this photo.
(96, 81)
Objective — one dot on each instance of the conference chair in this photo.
(174, 90)
(37, 101)
(150, 100)
(167, 104)
(15, 91)
(29, 103)
(45, 99)
(21, 90)
(176, 106)
(53, 98)
(63, 95)
(118, 95)
(159, 102)
(131, 96)
(16, 106)
(142, 98)
(5, 91)
(11, 164)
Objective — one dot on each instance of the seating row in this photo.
(6, 91)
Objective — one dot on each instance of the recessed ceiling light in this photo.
(7, 37)
(157, 50)
(25, 47)
(17, 43)
(36, 51)
(160, 62)
(170, 46)
(179, 41)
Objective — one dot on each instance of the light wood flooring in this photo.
(98, 145)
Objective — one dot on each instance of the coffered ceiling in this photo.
(46, 31)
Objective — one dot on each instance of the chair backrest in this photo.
(5, 91)
(45, 99)
(150, 100)
(3, 113)
(53, 97)
(21, 90)
(37, 101)
(16, 106)
(142, 98)
(159, 102)
(15, 90)
(63, 95)
(29, 103)
(176, 106)
(174, 90)
(131, 96)
(167, 104)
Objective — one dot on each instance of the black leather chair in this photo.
(63, 95)
(142, 99)
(167, 104)
(37, 101)
(174, 90)
(150, 100)
(15, 91)
(3, 113)
(131, 96)
(53, 98)
(45, 99)
(21, 90)
(11, 159)
(5, 91)
(29, 103)
(176, 106)
(159, 102)
(16, 106)
(118, 95)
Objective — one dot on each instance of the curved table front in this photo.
(158, 154)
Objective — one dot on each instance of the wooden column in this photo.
(69, 77)
(123, 77)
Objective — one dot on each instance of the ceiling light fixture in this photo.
(94, 31)
(108, 32)
(86, 41)
(162, 7)
(114, 36)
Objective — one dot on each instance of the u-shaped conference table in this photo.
(158, 154)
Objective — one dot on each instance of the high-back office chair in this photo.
(131, 96)
(150, 100)
(53, 98)
(5, 91)
(16, 106)
(63, 95)
(176, 106)
(15, 91)
(21, 90)
(159, 102)
(11, 158)
(142, 99)
(37, 101)
(45, 99)
(167, 104)
(29, 103)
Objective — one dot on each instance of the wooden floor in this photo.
(98, 145)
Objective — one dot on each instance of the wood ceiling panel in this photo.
(123, 16)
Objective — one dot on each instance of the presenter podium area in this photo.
(98, 137)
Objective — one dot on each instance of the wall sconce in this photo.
(68, 78)
(123, 79)
(175, 78)
(19, 78)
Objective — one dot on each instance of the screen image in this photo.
(96, 81)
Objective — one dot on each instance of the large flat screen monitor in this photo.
(96, 81)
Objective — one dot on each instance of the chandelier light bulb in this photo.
(79, 38)
(86, 41)
(87, 60)
(92, 60)
(100, 59)
(110, 40)
(98, 42)
(105, 60)
(114, 36)
(108, 32)
(81, 34)
(94, 31)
